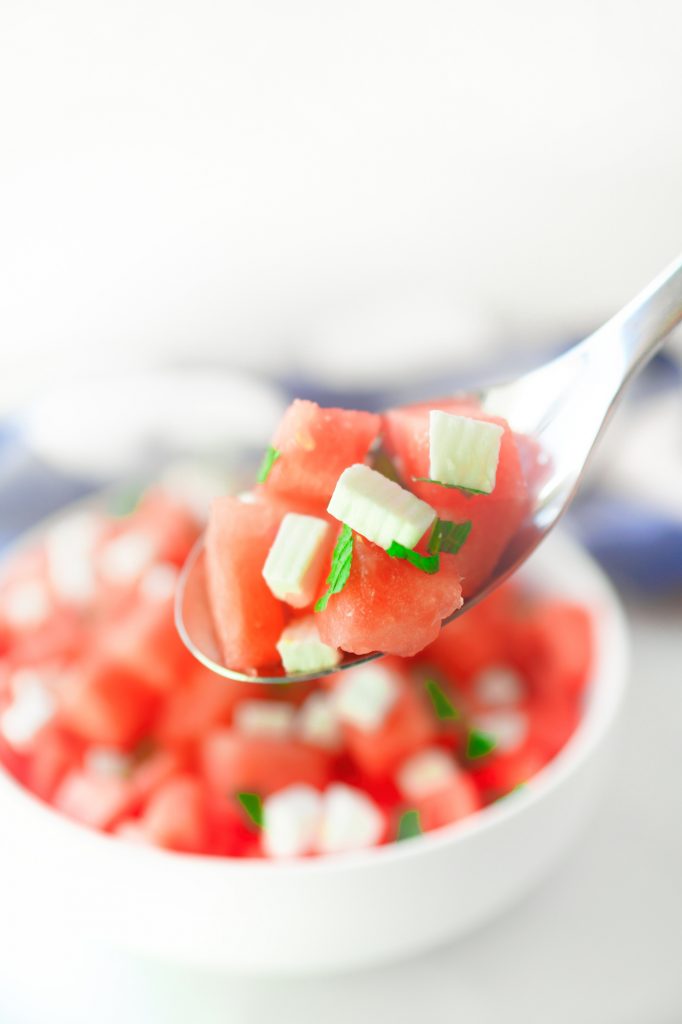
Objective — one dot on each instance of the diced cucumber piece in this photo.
(296, 560)
(379, 509)
(301, 649)
(463, 451)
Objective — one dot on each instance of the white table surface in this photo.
(600, 942)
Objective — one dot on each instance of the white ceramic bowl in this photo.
(340, 912)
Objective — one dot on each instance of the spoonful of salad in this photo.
(364, 534)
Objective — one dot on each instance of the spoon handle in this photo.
(637, 331)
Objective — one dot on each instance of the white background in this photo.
(212, 176)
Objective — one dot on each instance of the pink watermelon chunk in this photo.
(456, 800)
(263, 764)
(389, 605)
(495, 517)
(176, 817)
(248, 620)
(409, 726)
(315, 447)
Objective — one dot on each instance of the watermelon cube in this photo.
(248, 619)
(99, 801)
(389, 605)
(105, 704)
(407, 726)
(233, 763)
(201, 702)
(454, 801)
(495, 517)
(176, 817)
(315, 445)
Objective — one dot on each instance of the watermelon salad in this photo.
(105, 716)
(363, 533)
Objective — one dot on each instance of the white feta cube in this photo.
(291, 821)
(123, 560)
(350, 820)
(69, 547)
(27, 604)
(378, 508)
(31, 708)
(301, 649)
(108, 762)
(272, 718)
(498, 686)
(317, 722)
(158, 585)
(463, 451)
(508, 728)
(364, 696)
(425, 772)
(297, 559)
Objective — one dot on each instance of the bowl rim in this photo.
(606, 687)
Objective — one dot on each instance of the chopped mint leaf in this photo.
(479, 744)
(269, 460)
(253, 805)
(342, 559)
(442, 705)
(123, 502)
(448, 537)
(409, 825)
(469, 491)
(427, 563)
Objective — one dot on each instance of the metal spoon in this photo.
(563, 407)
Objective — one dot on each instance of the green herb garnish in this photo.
(123, 502)
(469, 491)
(409, 825)
(342, 559)
(442, 705)
(447, 536)
(386, 466)
(253, 805)
(427, 563)
(269, 460)
(479, 744)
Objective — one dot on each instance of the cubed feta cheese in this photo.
(463, 451)
(159, 583)
(123, 560)
(318, 723)
(425, 772)
(108, 762)
(291, 821)
(350, 820)
(31, 708)
(297, 559)
(26, 604)
(508, 728)
(364, 696)
(378, 508)
(264, 718)
(301, 649)
(69, 547)
(499, 686)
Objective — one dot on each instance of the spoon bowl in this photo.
(560, 409)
